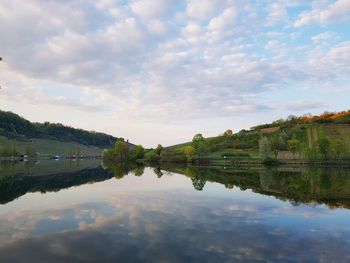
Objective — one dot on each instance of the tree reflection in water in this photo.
(311, 186)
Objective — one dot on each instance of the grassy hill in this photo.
(316, 137)
(13, 126)
(45, 148)
(20, 136)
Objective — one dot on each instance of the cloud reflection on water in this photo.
(168, 226)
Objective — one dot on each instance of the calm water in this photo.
(77, 211)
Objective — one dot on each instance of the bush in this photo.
(152, 157)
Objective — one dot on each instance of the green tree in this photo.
(107, 155)
(138, 152)
(264, 147)
(339, 147)
(324, 147)
(277, 144)
(121, 151)
(197, 140)
(190, 152)
(200, 145)
(152, 156)
(202, 149)
(294, 146)
(159, 149)
(311, 153)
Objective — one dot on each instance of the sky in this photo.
(160, 71)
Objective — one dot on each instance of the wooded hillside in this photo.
(15, 127)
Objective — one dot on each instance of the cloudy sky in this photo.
(159, 71)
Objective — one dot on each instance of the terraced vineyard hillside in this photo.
(331, 129)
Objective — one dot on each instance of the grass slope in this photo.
(47, 147)
(246, 142)
(337, 131)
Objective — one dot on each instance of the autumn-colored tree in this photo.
(228, 133)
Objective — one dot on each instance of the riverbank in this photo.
(57, 158)
(261, 162)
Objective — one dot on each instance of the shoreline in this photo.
(260, 162)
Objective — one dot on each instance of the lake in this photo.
(64, 211)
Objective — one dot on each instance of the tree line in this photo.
(342, 117)
(197, 150)
(123, 152)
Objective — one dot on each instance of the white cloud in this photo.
(223, 21)
(319, 38)
(323, 14)
(193, 29)
(301, 106)
(151, 8)
(202, 9)
(164, 62)
(337, 58)
(157, 27)
(277, 12)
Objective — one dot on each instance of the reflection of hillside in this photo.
(45, 167)
(17, 179)
(308, 186)
(12, 187)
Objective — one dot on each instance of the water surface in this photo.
(80, 212)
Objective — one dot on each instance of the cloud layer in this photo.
(164, 61)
